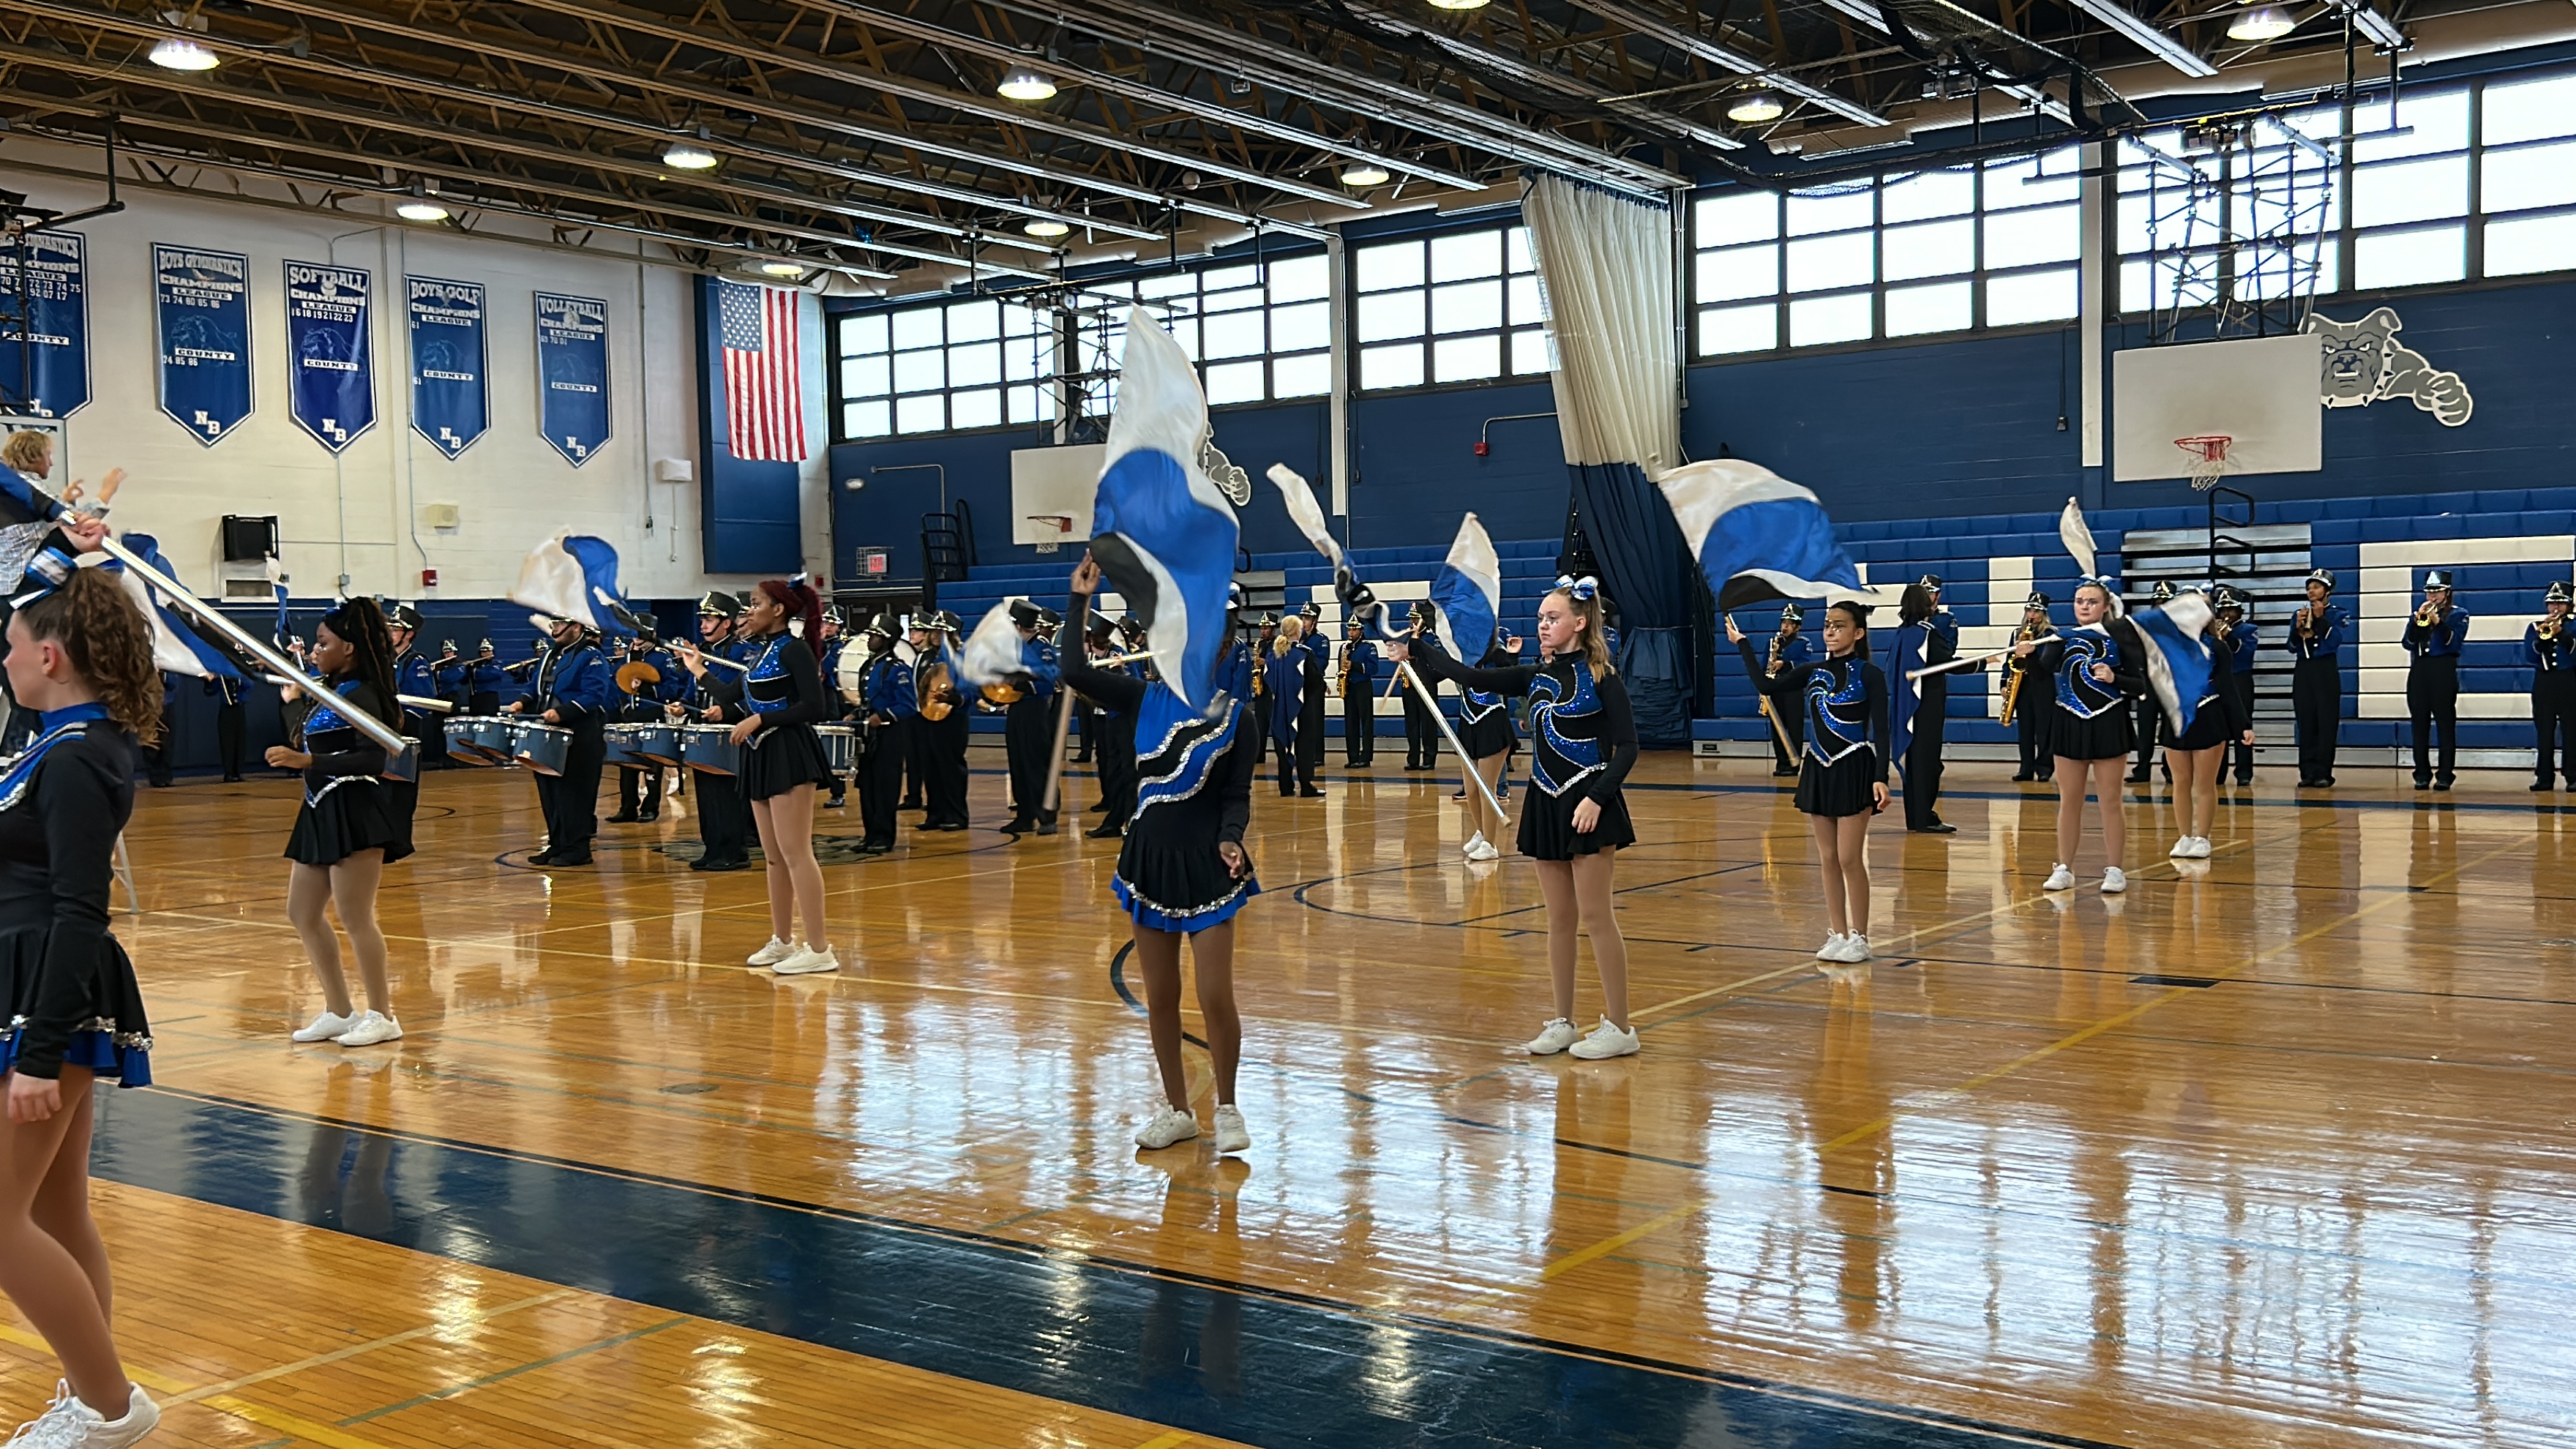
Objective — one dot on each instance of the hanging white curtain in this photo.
(1606, 265)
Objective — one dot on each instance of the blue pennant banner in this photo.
(201, 310)
(49, 378)
(333, 391)
(449, 404)
(572, 374)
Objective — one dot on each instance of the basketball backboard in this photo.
(1052, 484)
(2261, 392)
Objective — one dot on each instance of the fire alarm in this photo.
(429, 578)
(1484, 449)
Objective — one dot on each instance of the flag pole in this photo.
(1947, 665)
(1055, 760)
(1432, 701)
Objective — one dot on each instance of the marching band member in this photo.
(348, 828)
(1485, 728)
(724, 821)
(1310, 699)
(2150, 723)
(1182, 873)
(888, 715)
(648, 695)
(572, 690)
(414, 676)
(2096, 667)
(1290, 651)
(943, 721)
(1098, 631)
(2199, 754)
(2242, 639)
(2028, 688)
(2316, 679)
(1842, 783)
(782, 761)
(230, 719)
(1238, 675)
(1789, 648)
(2552, 657)
(1028, 723)
(835, 708)
(1421, 735)
(1359, 695)
(1573, 818)
(79, 663)
(2433, 639)
(1264, 698)
(1115, 730)
(1927, 634)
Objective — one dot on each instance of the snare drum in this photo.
(621, 747)
(658, 743)
(541, 747)
(840, 746)
(711, 748)
(404, 767)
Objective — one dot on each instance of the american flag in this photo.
(764, 388)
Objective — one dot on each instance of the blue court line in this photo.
(1260, 1366)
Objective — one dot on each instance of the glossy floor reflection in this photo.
(2272, 1150)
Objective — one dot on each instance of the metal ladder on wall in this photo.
(947, 550)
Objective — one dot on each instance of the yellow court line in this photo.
(337, 1355)
(1168, 1441)
(260, 1414)
(1616, 1241)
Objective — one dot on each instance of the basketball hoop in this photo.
(2208, 454)
(1062, 525)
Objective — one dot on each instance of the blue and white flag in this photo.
(450, 404)
(331, 361)
(1468, 591)
(284, 631)
(201, 309)
(51, 374)
(992, 653)
(1160, 528)
(2178, 658)
(176, 649)
(1757, 535)
(574, 576)
(572, 375)
(2077, 535)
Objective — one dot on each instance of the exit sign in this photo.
(871, 563)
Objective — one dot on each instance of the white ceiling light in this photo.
(1021, 83)
(1045, 226)
(688, 156)
(781, 269)
(1364, 173)
(1457, 4)
(179, 53)
(1755, 108)
(2269, 22)
(421, 209)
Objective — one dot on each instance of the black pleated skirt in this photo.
(357, 813)
(780, 758)
(111, 1037)
(1487, 737)
(1547, 825)
(2110, 735)
(1839, 789)
(2208, 728)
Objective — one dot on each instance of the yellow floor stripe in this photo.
(1167, 1441)
(352, 1351)
(1616, 1241)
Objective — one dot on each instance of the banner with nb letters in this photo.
(449, 404)
(331, 388)
(49, 376)
(572, 374)
(201, 316)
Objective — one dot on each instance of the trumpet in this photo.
(2429, 615)
(2551, 626)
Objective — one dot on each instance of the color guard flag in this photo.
(2178, 660)
(2077, 536)
(176, 649)
(1757, 535)
(1469, 592)
(763, 377)
(574, 576)
(992, 653)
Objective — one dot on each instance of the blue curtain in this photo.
(1649, 575)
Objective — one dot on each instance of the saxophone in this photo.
(1345, 684)
(1771, 670)
(2012, 686)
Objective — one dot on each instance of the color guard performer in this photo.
(1028, 722)
(2026, 693)
(1790, 648)
(2229, 623)
(2316, 680)
(1421, 735)
(943, 728)
(781, 764)
(1287, 663)
(1485, 728)
(724, 821)
(1929, 633)
(1359, 695)
(1842, 784)
(2097, 667)
(2199, 754)
(2433, 639)
(649, 681)
(571, 689)
(887, 713)
(2150, 724)
(2551, 654)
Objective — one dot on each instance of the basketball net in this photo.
(2208, 458)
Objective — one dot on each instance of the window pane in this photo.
(927, 413)
(1739, 329)
(2032, 180)
(863, 334)
(1390, 314)
(2410, 258)
(1390, 264)
(1226, 279)
(1032, 404)
(1308, 324)
(1736, 216)
(2432, 123)
(977, 363)
(2410, 191)
(1234, 382)
(980, 408)
(1185, 331)
(1461, 256)
(2531, 244)
(918, 328)
(1230, 301)
(1307, 375)
(1397, 366)
(2532, 176)
(867, 419)
(1831, 261)
(1233, 334)
(2529, 110)
(1813, 212)
(1942, 307)
(918, 372)
(1528, 300)
(1019, 322)
(2030, 297)
(1024, 358)
(2267, 270)
(865, 377)
(1752, 271)
(1168, 285)
(2019, 238)
(1299, 279)
(1931, 249)
(974, 321)
(1466, 307)
(1816, 320)
(1928, 194)
(1464, 359)
(1516, 251)
(1531, 352)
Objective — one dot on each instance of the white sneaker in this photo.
(807, 962)
(2200, 847)
(61, 1423)
(2060, 879)
(326, 1027)
(1480, 849)
(1832, 950)
(1169, 1126)
(1231, 1135)
(2114, 881)
(1554, 1037)
(67, 1423)
(1469, 849)
(1606, 1041)
(372, 1028)
(142, 1416)
(771, 954)
(1855, 949)
(2181, 849)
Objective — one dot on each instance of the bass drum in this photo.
(852, 671)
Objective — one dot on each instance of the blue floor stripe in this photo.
(1257, 1366)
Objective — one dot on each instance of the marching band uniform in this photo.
(784, 690)
(1310, 701)
(835, 708)
(1264, 697)
(890, 714)
(1583, 743)
(944, 787)
(572, 680)
(2242, 641)
(2552, 657)
(1359, 696)
(413, 676)
(1421, 734)
(348, 805)
(1940, 631)
(2316, 681)
(724, 820)
(1116, 730)
(1028, 724)
(1287, 673)
(229, 721)
(1789, 649)
(156, 756)
(646, 706)
(1842, 704)
(2030, 701)
(2433, 679)
(2151, 715)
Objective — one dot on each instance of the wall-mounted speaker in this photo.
(248, 540)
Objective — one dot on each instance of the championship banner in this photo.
(331, 388)
(201, 316)
(572, 374)
(449, 405)
(49, 377)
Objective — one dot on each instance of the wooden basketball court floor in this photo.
(2272, 1151)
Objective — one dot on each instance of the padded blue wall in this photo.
(752, 524)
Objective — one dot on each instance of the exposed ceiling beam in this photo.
(2147, 37)
(1658, 29)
